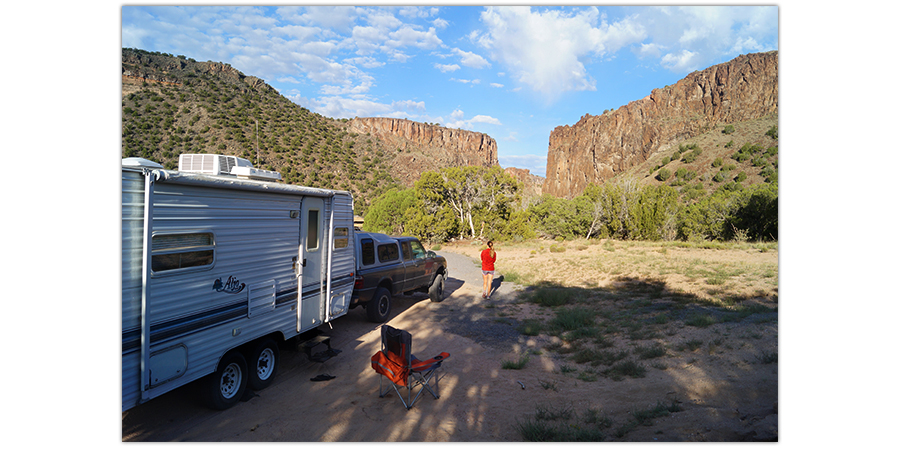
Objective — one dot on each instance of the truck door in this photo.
(310, 281)
(415, 265)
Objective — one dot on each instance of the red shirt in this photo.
(487, 262)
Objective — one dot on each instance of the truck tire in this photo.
(436, 291)
(263, 365)
(378, 309)
(225, 387)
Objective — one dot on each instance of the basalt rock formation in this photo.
(140, 66)
(426, 147)
(531, 184)
(597, 148)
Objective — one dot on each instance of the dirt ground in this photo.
(722, 388)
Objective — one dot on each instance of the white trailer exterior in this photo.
(218, 269)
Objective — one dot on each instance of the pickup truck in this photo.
(388, 266)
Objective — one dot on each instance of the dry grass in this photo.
(721, 274)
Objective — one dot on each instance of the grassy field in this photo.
(614, 310)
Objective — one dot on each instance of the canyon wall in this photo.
(597, 148)
(425, 147)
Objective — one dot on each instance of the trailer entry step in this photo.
(322, 356)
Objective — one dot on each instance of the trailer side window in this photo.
(182, 251)
(389, 252)
(312, 231)
(367, 250)
(341, 237)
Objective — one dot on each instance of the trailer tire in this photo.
(378, 309)
(263, 365)
(225, 387)
(436, 291)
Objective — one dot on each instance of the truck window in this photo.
(182, 251)
(367, 250)
(389, 252)
(418, 251)
(407, 255)
(341, 237)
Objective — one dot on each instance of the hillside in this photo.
(597, 148)
(173, 105)
(714, 159)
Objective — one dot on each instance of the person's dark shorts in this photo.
(487, 272)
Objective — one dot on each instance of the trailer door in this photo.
(311, 279)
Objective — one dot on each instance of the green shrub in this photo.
(717, 162)
(720, 176)
(663, 174)
(569, 319)
(728, 130)
(773, 133)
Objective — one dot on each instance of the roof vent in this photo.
(223, 165)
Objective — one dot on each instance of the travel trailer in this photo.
(220, 265)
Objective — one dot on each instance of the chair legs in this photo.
(422, 380)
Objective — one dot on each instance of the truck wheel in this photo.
(379, 307)
(225, 387)
(436, 291)
(263, 365)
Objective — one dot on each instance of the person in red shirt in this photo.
(488, 257)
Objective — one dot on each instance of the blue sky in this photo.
(512, 72)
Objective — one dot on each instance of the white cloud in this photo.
(458, 121)
(440, 23)
(544, 50)
(496, 85)
(746, 45)
(366, 62)
(338, 18)
(686, 61)
(471, 59)
(685, 38)
(410, 37)
(414, 12)
(446, 67)
(465, 81)
(484, 119)
(359, 106)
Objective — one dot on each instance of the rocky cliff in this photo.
(140, 66)
(425, 147)
(531, 184)
(600, 147)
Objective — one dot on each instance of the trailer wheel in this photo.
(225, 387)
(263, 365)
(379, 307)
(436, 291)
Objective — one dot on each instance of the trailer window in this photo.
(389, 252)
(312, 231)
(367, 250)
(182, 251)
(341, 237)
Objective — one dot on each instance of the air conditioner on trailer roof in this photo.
(224, 165)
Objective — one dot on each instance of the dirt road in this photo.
(722, 398)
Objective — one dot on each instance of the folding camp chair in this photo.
(401, 368)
